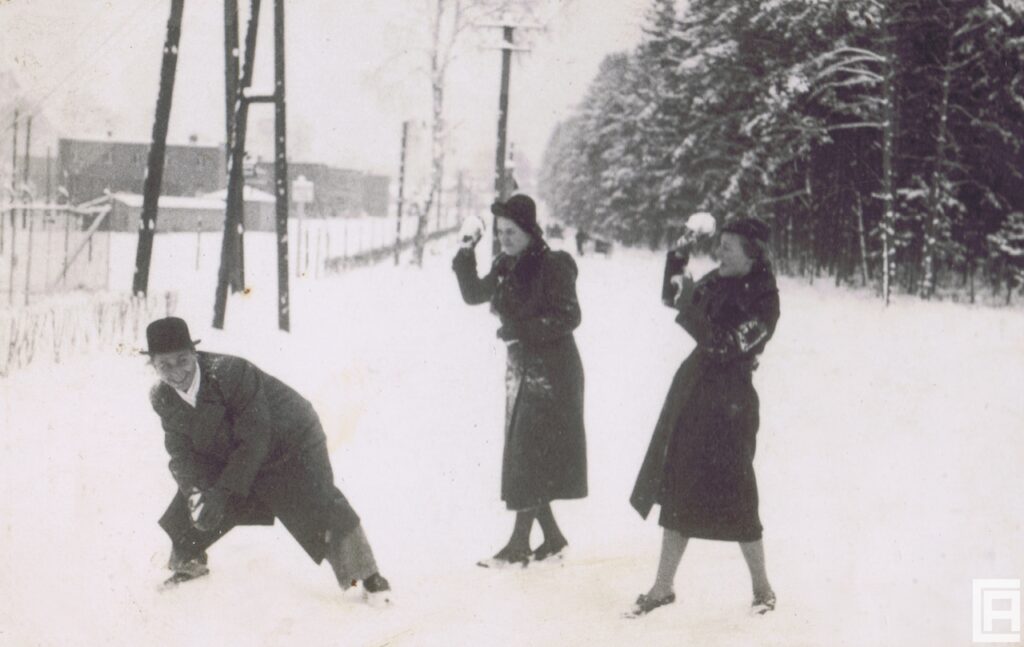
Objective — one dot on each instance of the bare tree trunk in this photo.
(888, 225)
(789, 243)
(809, 201)
(438, 68)
(970, 276)
(931, 231)
(864, 275)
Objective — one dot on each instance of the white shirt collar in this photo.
(193, 391)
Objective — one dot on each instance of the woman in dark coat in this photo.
(533, 291)
(699, 466)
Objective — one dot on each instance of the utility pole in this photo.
(14, 173)
(507, 47)
(14, 160)
(155, 164)
(499, 162)
(229, 274)
(236, 275)
(401, 192)
(28, 149)
(49, 170)
(231, 54)
(14, 218)
(233, 219)
(281, 171)
(26, 196)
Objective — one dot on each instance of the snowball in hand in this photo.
(698, 225)
(472, 229)
(701, 223)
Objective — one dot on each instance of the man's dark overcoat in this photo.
(255, 437)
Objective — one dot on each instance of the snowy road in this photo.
(889, 462)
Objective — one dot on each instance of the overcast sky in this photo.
(93, 66)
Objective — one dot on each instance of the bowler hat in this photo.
(168, 335)
(749, 227)
(521, 210)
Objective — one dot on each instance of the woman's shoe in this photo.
(762, 604)
(506, 558)
(645, 604)
(549, 551)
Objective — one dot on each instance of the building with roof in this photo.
(337, 191)
(90, 168)
(186, 213)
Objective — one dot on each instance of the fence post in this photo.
(14, 254)
(28, 255)
(319, 251)
(49, 222)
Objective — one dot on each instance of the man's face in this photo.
(176, 369)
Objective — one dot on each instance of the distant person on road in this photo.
(699, 466)
(245, 449)
(581, 239)
(532, 290)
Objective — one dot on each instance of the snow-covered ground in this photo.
(889, 461)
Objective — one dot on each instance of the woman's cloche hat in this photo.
(522, 210)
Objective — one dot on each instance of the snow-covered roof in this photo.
(170, 201)
(249, 194)
(94, 138)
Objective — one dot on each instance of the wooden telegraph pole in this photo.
(233, 221)
(501, 189)
(236, 273)
(14, 157)
(281, 171)
(30, 214)
(229, 274)
(155, 163)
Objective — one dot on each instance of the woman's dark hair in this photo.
(756, 250)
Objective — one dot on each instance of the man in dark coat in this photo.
(245, 448)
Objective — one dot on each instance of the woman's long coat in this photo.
(699, 465)
(534, 296)
(255, 437)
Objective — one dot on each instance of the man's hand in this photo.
(212, 505)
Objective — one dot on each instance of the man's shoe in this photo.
(377, 590)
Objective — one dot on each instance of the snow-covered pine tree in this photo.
(1008, 251)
